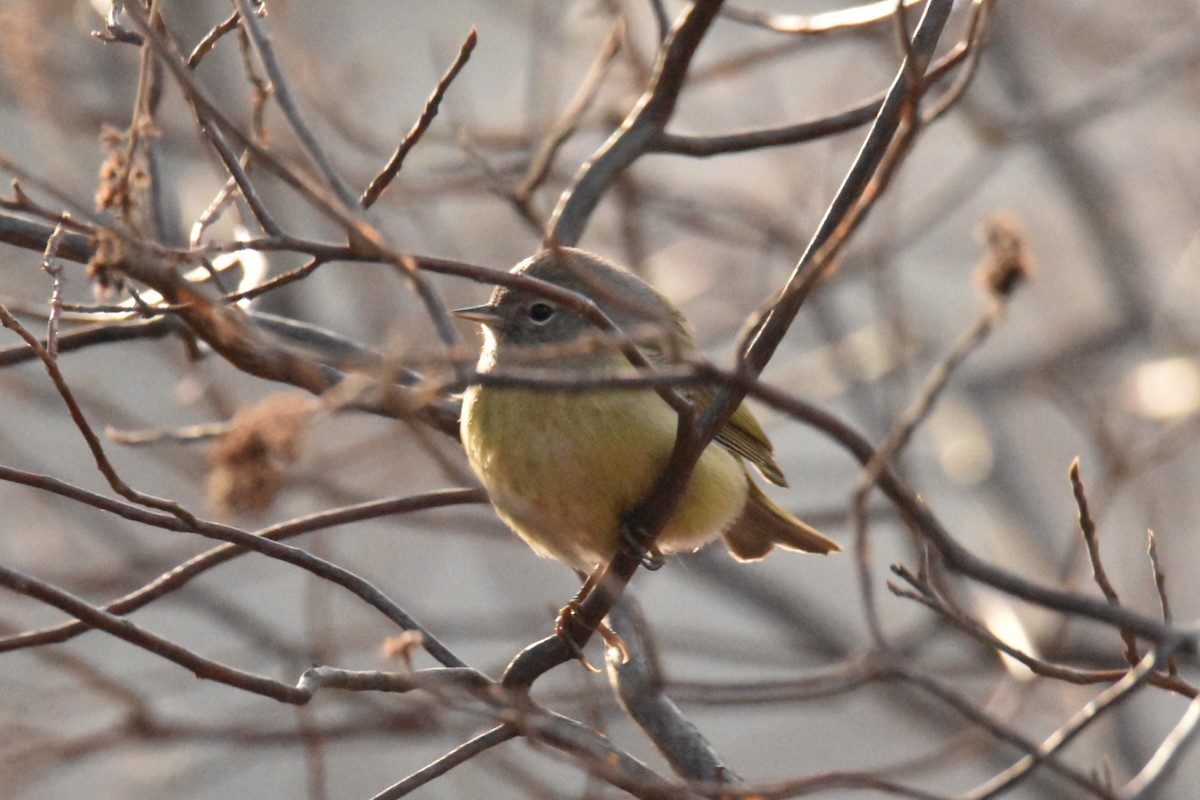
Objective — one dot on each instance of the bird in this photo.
(563, 465)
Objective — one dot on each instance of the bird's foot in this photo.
(565, 628)
(650, 556)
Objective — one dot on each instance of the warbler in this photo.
(564, 465)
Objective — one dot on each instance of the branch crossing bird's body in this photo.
(564, 467)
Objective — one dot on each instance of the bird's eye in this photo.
(540, 312)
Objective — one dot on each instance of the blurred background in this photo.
(1082, 123)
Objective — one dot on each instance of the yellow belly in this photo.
(564, 474)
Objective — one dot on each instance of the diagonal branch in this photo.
(639, 686)
(1087, 527)
(282, 90)
(348, 580)
(381, 181)
(1102, 703)
(641, 127)
(179, 576)
(124, 629)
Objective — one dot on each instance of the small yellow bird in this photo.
(562, 467)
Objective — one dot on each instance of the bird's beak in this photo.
(484, 315)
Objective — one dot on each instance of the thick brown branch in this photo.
(641, 127)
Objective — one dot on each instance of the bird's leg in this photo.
(568, 618)
(650, 556)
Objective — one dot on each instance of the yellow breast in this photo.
(561, 469)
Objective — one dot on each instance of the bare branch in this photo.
(871, 13)
(639, 687)
(282, 91)
(209, 42)
(435, 769)
(1167, 757)
(1086, 716)
(139, 637)
(645, 122)
(1160, 585)
(56, 302)
(1088, 528)
(247, 541)
(381, 181)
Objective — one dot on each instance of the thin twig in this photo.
(1087, 527)
(972, 46)
(381, 181)
(219, 203)
(206, 44)
(187, 434)
(1099, 705)
(52, 268)
(1160, 585)
(253, 25)
(93, 441)
(1167, 757)
(832, 682)
(435, 769)
(124, 629)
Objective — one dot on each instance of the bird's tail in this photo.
(763, 525)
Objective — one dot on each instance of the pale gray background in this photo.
(1083, 121)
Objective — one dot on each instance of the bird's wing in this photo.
(744, 436)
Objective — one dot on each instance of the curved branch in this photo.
(182, 574)
(272, 549)
(124, 629)
(640, 129)
(639, 687)
(703, 146)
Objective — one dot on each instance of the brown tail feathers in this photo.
(763, 525)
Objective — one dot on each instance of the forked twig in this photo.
(206, 44)
(282, 89)
(1101, 704)
(89, 436)
(124, 629)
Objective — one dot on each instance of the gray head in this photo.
(523, 318)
